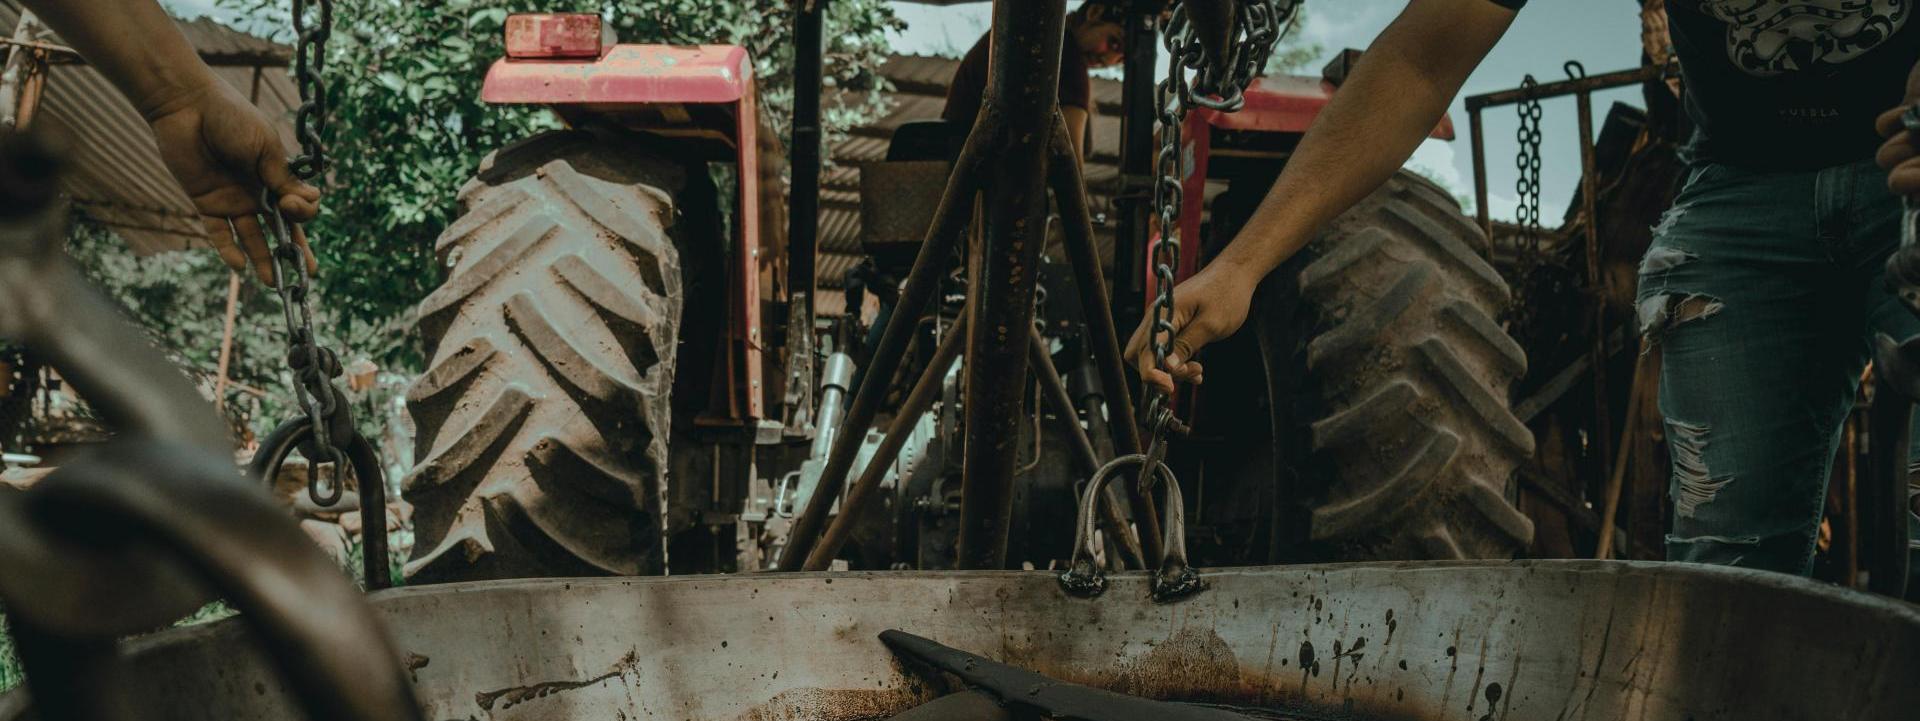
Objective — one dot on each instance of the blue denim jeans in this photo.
(1763, 291)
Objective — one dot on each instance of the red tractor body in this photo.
(704, 94)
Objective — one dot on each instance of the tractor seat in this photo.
(926, 140)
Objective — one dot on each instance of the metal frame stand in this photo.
(1015, 151)
(803, 208)
(1023, 75)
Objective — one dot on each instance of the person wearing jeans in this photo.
(1763, 289)
(1764, 283)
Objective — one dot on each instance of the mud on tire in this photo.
(544, 415)
(1400, 376)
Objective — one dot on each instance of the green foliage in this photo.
(10, 675)
(406, 130)
(407, 126)
(180, 299)
(1295, 54)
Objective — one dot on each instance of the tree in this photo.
(406, 128)
(1295, 54)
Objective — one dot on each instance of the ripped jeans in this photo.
(1763, 290)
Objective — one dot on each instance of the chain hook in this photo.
(323, 407)
(1174, 579)
(1257, 29)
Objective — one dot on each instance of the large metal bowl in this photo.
(1520, 641)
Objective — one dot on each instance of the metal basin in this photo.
(1522, 641)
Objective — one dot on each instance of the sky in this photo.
(1604, 35)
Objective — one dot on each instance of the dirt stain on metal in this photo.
(508, 697)
(415, 662)
(819, 704)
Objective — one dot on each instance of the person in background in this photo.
(1764, 282)
(1094, 40)
(220, 147)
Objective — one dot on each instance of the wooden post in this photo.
(226, 342)
(1604, 549)
(233, 296)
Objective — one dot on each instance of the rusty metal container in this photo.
(1517, 641)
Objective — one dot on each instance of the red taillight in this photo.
(553, 35)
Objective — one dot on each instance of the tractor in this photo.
(622, 374)
(606, 344)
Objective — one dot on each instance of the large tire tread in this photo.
(1412, 440)
(544, 416)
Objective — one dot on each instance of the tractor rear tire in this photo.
(1382, 335)
(543, 418)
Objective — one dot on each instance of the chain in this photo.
(1528, 162)
(322, 405)
(1223, 89)
(309, 60)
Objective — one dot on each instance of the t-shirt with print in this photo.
(1789, 84)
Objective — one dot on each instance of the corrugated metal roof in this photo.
(116, 177)
(222, 45)
(920, 92)
(923, 75)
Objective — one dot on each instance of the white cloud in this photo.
(1338, 26)
(1435, 159)
(1440, 161)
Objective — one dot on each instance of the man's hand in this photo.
(1389, 104)
(220, 147)
(1899, 155)
(1206, 307)
(223, 151)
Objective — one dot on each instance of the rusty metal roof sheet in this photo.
(116, 177)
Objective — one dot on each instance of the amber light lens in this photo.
(553, 35)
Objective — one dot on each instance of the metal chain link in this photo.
(314, 367)
(1528, 163)
(309, 60)
(1223, 89)
(1258, 27)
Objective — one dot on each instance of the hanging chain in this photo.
(309, 60)
(1258, 28)
(1223, 89)
(1528, 163)
(322, 404)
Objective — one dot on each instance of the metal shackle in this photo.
(1173, 580)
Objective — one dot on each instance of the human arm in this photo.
(220, 147)
(1391, 102)
(1076, 129)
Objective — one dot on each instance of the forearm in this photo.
(1393, 100)
(134, 43)
(1076, 130)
